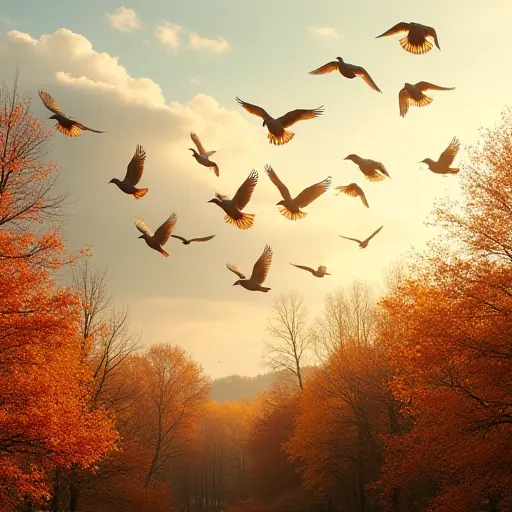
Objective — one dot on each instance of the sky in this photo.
(150, 71)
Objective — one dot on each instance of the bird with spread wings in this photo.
(133, 175)
(157, 240)
(259, 272)
(412, 94)
(363, 243)
(417, 41)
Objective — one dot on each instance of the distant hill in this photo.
(236, 387)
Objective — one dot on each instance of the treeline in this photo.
(402, 404)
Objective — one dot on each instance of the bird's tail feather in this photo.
(164, 252)
(286, 137)
(140, 192)
(416, 50)
(264, 289)
(244, 222)
(453, 170)
(292, 216)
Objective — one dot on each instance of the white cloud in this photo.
(169, 35)
(324, 32)
(123, 19)
(195, 81)
(196, 42)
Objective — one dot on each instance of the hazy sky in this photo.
(154, 71)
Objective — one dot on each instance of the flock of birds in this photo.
(418, 41)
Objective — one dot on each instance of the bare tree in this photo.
(349, 315)
(291, 338)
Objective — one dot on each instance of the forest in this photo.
(400, 402)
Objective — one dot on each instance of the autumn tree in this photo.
(449, 340)
(290, 342)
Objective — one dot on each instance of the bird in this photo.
(291, 207)
(364, 243)
(320, 272)
(133, 175)
(353, 190)
(65, 124)
(259, 272)
(161, 236)
(412, 94)
(202, 156)
(277, 134)
(372, 170)
(233, 207)
(417, 40)
(442, 166)
(347, 70)
(188, 241)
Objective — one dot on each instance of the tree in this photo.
(291, 339)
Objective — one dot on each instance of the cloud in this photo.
(123, 19)
(195, 81)
(169, 35)
(196, 42)
(329, 32)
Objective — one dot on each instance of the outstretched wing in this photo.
(308, 195)
(283, 189)
(49, 103)
(203, 239)
(403, 102)
(197, 142)
(179, 238)
(359, 71)
(353, 239)
(399, 28)
(83, 127)
(244, 193)
(136, 166)
(426, 86)
(235, 270)
(253, 109)
(262, 266)
(373, 234)
(448, 155)
(141, 226)
(431, 32)
(309, 269)
(354, 190)
(326, 68)
(300, 114)
(163, 233)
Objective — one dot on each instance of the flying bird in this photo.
(202, 156)
(276, 127)
(353, 190)
(417, 41)
(133, 175)
(188, 241)
(372, 170)
(65, 124)
(320, 272)
(291, 207)
(364, 243)
(259, 272)
(412, 94)
(442, 166)
(233, 207)
(161, 236)
(347, 70)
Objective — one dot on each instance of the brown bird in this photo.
(412, 94)
(364, 243)
(353, 190)
(276, 127)
(233, 207)
(442, 166)
(65, 124)
(417, 40)
(202, 156)
(259, 273)
(347, 70)
(320, 272)
(372, 170)
(161, 235)
(133, 175)
(291, 207)
(187, 242)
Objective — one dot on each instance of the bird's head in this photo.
(53, 117)
(237, 282)
(114, 180)
(281, 203)
(339, 58)
(427, 161)
(350, 157)
(215, 200)
(194, 152)
(141, 236)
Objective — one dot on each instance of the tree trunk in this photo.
(74, 490)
